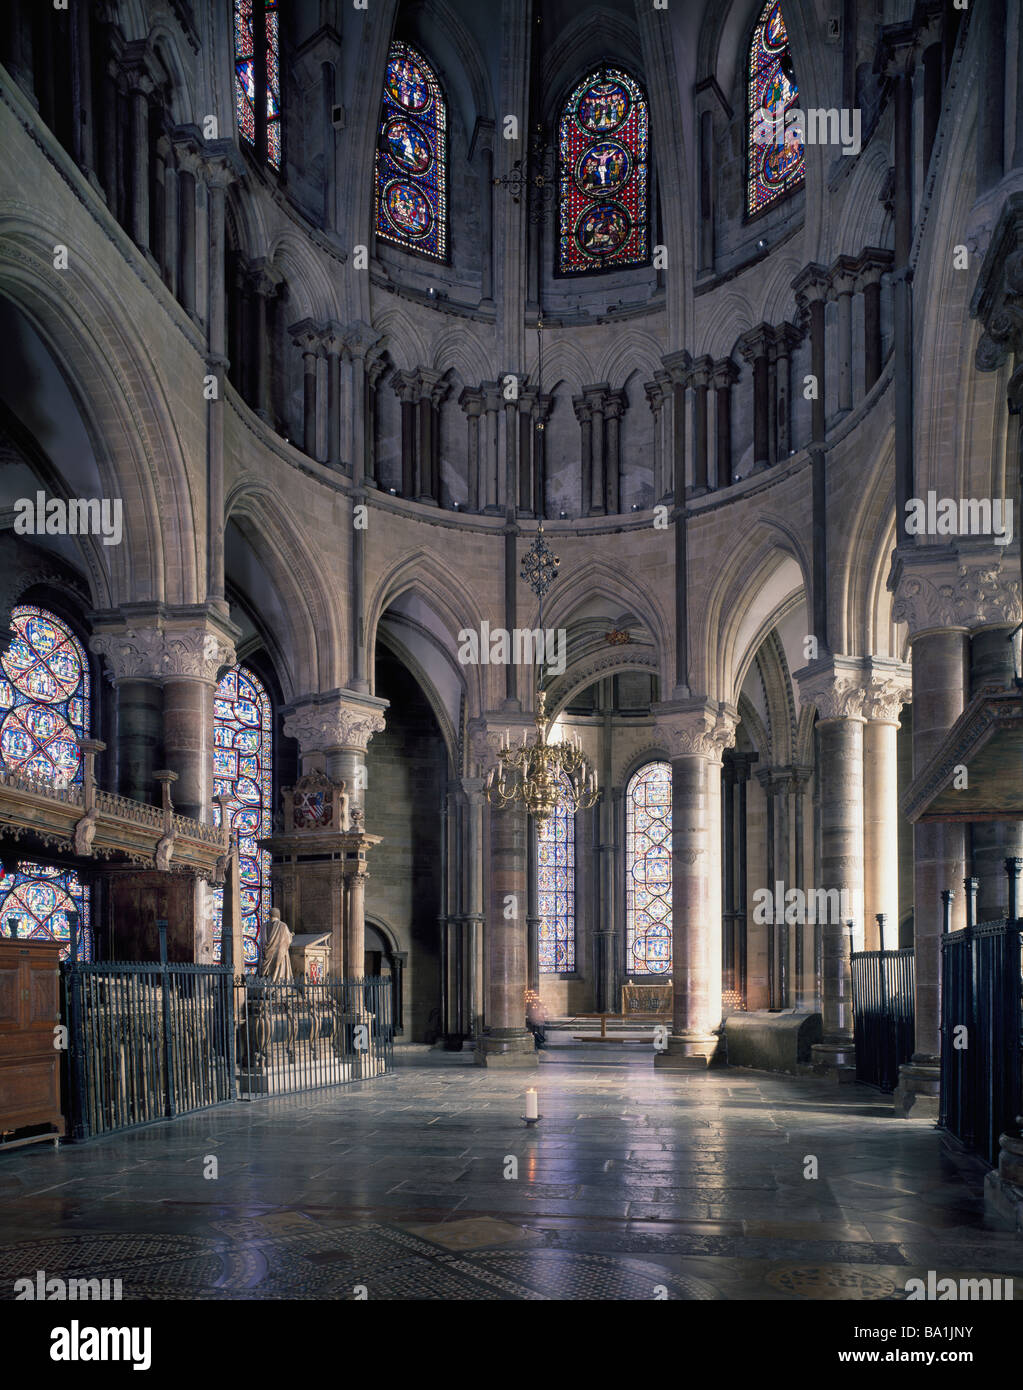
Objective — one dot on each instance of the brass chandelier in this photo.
(543, 776)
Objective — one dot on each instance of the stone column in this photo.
(403, 384)
(991, 118)
(886, 693)
(699, 380)
(677, 378)
(843, 283)
(803, 962)
(140, 87)
(355, 924)
(133, 660)
(584, 414)
(613, 412)
(332, 345)
(471, 401)
(474, 918)
(872, 265)
(933, 600)
(306, 336)
(786, 338)
(490, 494)
(596, 397)
(189, 659)
(726, 374)
(333, 733)
(264, 283)
(657, 394)
(836, 687)
(754, 349)
(811, 290)
(432, 389)
(696, 733)
(364, 348)
(992, 842)
(506, 1042)
(187, 144)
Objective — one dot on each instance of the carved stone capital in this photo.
(156, 653)
(885, 694)
(336, 722)
(954, 589)
(836, 686)
(697, 729)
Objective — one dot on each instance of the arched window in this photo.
(776, 163)
(412, 156)
(257, 76)
(555, 846)
(44, 698)
(648, 871)
(243, 772)
(603, 148)
(44, 715)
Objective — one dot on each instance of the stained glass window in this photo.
(603, 143)
(648, 871)
(243, 771)
(555, 844)
(246, 58)
(776, 161)
(40, 896)
(412, 156)
(44, 698)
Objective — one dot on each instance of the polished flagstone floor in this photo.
(426, 1184)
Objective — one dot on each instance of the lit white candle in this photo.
(532, 1104)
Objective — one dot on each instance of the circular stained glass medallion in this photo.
(779, 164)
(407, 146)
(407, 84)
(603, 168)
(603, 229)
(604, 106)
(407, 209)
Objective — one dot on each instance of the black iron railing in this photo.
(883, 1014)
(146, 1042)
(982, 1031)
(299, 1035)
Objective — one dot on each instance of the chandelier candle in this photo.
(532, 1105)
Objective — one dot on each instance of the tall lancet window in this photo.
(412, 156)
(257, 76)
(555, 846)
(648, 871)
(44, 715)
(603, 176)
(776, 164)
(243, 772)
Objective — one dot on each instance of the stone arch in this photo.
(631, 350)
(318, 643)
(456, 608)
(422, 678)
(107, 365)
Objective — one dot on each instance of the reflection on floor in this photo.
(636, 1184)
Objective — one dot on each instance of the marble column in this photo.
(787, 338)
(306, 336)
(584, 414)
(696, 733)
(613, 412)
(726, 374)
(886, 693)
(937, 602)
(134, 665)
(811, 289)
(872, 265)
(332, 345)
(505, 1041)
(754, 349)
(843, 284)
(596, 397)
(836, 687)
(699, 380)
(189, 658)
(471, 401)
(140, 87)
(992, 842)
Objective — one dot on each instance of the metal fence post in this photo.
(947, 896)
(170, 1105)
(76, 1038)
(1012, 868)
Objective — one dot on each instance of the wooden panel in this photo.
(30, 1064)
(9, 994)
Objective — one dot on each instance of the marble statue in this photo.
(277, 939)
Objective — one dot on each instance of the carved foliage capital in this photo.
(970, 596)
(704, 733)
(140, 653)
(333, 724)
